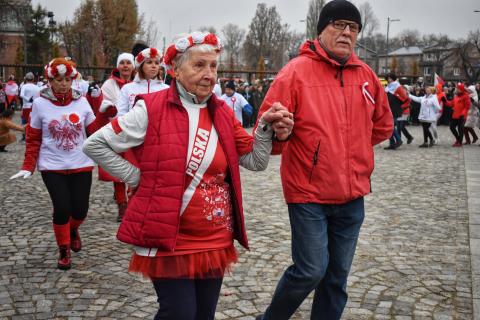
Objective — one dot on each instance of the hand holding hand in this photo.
(281, 120)
(22, 173)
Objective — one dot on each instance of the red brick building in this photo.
(12, 34)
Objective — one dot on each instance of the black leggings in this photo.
(187, 299)
(457, 124)
(70, 194)
(426, 132)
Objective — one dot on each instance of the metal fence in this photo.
(102, 73)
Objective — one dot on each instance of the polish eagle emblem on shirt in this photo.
(66, 132)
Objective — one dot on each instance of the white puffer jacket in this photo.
(429, 107)
(131, 90)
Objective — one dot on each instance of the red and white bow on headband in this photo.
(65, 70)
(183, 44)
(149, 53)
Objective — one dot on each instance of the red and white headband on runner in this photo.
(149, 53)
(60, 67)
(185, 43)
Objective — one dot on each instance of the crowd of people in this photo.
(456, 105)
(181, 210)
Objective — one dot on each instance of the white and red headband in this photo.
(185, 43)
(149, 53)
(53, 69)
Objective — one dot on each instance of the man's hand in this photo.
(280, 119)
(22, 173)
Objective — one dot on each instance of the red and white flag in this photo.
(437, 79)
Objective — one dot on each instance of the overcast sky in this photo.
(452, 17)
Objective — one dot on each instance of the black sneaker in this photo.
(409, 140)
(424, 145)
(391, 147)
(398, 144)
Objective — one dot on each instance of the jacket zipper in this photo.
(314, 161)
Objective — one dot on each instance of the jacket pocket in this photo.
(314, 160)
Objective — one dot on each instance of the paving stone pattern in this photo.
(413, 257)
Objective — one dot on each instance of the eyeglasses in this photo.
(342, 25)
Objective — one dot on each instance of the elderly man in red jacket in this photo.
(341, 111)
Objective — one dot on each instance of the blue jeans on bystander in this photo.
(324, 238)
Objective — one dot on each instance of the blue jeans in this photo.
(396, 137)
(324, 238)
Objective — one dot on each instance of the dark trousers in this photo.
(472, 132)
(426, 132)
(456, 126)
(187, 299)
(70, 194)
(402, 129)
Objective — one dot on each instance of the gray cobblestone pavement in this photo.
(413, 258)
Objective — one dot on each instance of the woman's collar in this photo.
(190, 96)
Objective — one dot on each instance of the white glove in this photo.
(22, 173)
(96, 92)
(104, 106)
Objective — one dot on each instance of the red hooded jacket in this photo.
(340, 113)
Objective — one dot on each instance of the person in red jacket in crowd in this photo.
(60, 121)
(121, 75)
(187, 208)
(460, 105)
(340, 111)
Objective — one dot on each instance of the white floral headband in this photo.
(183, 44)
(65, 70)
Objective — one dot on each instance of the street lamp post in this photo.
(51, 24)
(388, 31)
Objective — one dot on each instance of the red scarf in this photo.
(63, 99)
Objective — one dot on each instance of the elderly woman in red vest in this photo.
(187, 208)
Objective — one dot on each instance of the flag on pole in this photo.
(437, 80)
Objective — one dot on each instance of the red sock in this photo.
(62, 233)
(120, 192)
(74, 223)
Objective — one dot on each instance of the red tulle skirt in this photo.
(198, 265)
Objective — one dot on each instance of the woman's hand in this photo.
(280, 119)
(22, 173)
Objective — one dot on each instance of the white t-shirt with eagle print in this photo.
(63, 133)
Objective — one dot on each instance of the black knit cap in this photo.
(231, 85)
(338, 10)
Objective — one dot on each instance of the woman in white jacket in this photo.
(121, 75)
(429, 108)
(147, 64)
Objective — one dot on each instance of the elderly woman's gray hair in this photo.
(181, 57)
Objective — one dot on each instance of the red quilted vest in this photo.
(153, 215)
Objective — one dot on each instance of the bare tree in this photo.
(149, 32)
(469, 53)
(314, 8)
(232, 41)
(408, 38)
(293, 43)
(210, 29)
(266, 38)
(370, 22)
